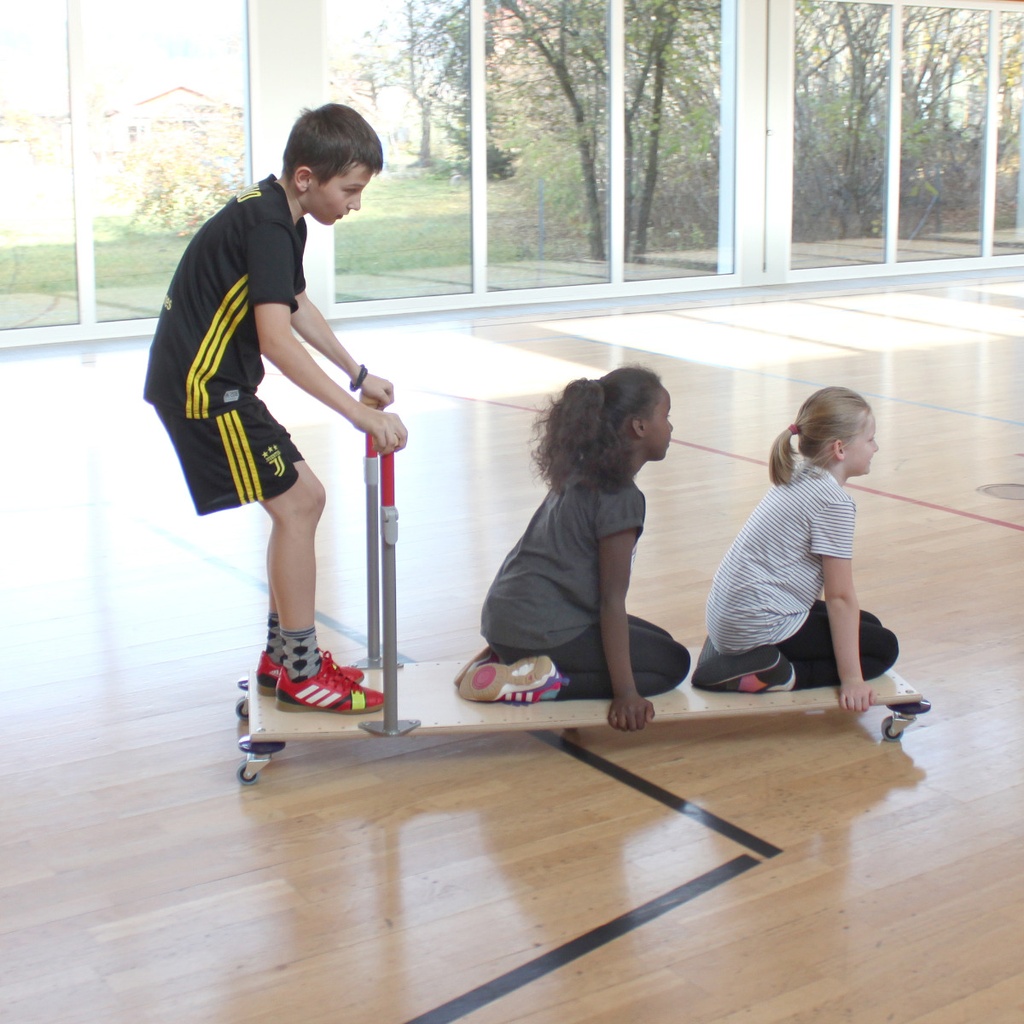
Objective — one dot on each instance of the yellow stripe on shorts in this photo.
(211, 350)
(240, 458)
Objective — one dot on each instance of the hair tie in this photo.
(794, 429)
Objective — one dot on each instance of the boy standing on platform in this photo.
(237, 297)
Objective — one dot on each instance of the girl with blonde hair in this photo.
(785, 586)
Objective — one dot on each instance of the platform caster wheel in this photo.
(891, 732)
(242, 708)
(903, 716)
(258, 754)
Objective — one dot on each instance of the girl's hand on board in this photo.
(856, 696)
(630, 713)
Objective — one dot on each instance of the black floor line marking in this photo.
(663, 796)
(572, 950)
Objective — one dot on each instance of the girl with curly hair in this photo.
(557, 606)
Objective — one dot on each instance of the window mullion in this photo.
(82, 168)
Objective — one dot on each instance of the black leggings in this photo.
(814, 661)
(659, 663)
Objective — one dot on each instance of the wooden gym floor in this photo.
(785, 868)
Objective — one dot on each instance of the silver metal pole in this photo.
(390, 726)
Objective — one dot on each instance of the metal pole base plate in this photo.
(380, 729)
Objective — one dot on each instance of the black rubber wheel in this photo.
(244, 778)
(888, 734)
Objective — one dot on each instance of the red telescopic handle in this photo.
(387, 480)
(387, 473)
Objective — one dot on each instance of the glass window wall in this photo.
(609, 156)
(404, 65)
(38, 284)
(1008, 235)
(863, 196)
(840, 132)
(166, 99)
(673, 119)
(942, 141)
(547, 144)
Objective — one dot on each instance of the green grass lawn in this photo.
(123, 257)
(406, 224)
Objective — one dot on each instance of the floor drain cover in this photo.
(1015, 492)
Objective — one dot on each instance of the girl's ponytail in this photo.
(583, 433)
(781, 461)
(829, 415)
(571, 425)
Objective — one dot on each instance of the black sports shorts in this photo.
(242, 454)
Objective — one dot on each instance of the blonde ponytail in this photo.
(781, 461)
(829, 415)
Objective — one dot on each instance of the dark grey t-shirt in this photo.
(546, 591)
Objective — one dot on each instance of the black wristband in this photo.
(360, 377)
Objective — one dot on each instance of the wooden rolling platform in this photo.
(428, 701)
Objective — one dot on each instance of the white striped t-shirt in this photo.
(772, 574)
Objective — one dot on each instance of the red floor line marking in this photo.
(853, 487)
(939, 508)
(718, 451)
(869, 491)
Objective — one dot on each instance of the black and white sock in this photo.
(275, 643)
(299, 655)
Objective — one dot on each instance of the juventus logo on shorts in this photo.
(273, 457)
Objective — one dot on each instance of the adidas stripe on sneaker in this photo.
(332, 689)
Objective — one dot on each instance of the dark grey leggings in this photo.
(659, 663)
(814, 661)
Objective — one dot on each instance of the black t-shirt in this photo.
(205, 351)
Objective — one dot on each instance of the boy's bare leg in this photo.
(291, 641)
(291, 551)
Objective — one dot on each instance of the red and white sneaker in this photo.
(334, 688)
(268, 672)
